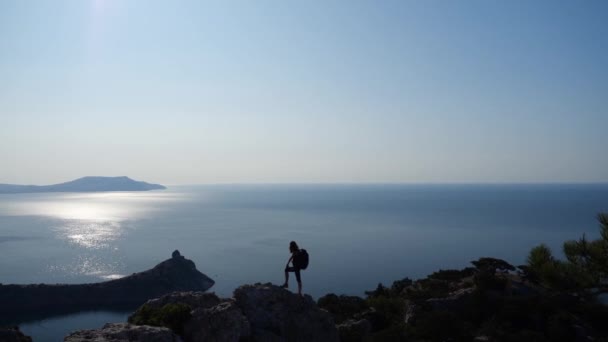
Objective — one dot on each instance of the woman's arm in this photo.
(288, 261)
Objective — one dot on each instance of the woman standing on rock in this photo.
(298, 264)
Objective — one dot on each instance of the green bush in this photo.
(342, 307)
(172, 316)
(452, 275)
(399, 286)
(492, 265)
(539, 257)
(585, 268)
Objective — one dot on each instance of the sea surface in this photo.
(356, 235)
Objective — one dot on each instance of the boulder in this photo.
(192, 299)
(224, 322)
(411, 312)
(13, 334)
(124, 332)
(276, 314)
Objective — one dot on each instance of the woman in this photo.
(294, 249)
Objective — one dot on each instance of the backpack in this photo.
(300, 260)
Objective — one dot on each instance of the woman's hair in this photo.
(293, 246)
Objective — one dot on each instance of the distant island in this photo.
(84, 184)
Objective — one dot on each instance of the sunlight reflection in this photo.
(111, 206)
(90, 265)
(112, 276)
(93, 224)
(90, 234)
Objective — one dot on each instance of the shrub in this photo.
(172, 316)
(492, 265)
(452, 275)
(342, 307)
(380, 291)
(400, 285)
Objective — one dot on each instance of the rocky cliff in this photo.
(260, 312)
(489, 302)
(174, 274)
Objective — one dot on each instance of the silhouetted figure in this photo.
(295, 268)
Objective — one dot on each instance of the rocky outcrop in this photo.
(276, 314)
(13, 334)
(260, 312)
(31, 301)
(223, 322)
(192, 299)
(124, 332)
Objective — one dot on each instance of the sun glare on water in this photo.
(91, 224)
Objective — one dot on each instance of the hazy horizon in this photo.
(337, 183)
(186, 93)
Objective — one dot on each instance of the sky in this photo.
(197, 92)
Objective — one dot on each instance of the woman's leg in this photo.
(299, 279)
(287, 270)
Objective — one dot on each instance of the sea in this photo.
(357, 235)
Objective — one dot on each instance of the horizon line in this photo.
(395, 183)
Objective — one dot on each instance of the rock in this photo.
(124, 332)
(175, 254)
(256, 313)
(411, 312)
(455, 301)
(192, 299)
(276, 314)
(224, 322)
(13, 334)
(174, 310)
(352, 330)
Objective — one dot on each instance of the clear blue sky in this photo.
(186, 92)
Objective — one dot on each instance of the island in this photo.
(84, 184)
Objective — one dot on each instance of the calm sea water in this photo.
(357, 235)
